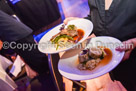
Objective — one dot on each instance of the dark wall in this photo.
(36, 13)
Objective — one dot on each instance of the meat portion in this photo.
(98, 60)
(90, 58)
(72, 30)
(95, 52)
(83, 56)
(81, 67)
(53, 37)
(64, 31)
(91, 64)
(72, 33)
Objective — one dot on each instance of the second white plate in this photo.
(67, 65)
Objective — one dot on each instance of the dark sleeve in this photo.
(92, 6)
(11, 29)
(88, 17)
(5, 7)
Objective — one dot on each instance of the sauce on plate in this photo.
(80, 35)
(107, 58)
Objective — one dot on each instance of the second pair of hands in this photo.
(126, 43)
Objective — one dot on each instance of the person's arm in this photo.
(69, 19)
(30, 72)
(128, 46)
(74, 18)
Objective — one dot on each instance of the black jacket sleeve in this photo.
(11, 29)
(88, 17)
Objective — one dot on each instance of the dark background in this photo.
(34, 13)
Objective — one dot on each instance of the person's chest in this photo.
(109, 10)
(108, 4)
(115, 19)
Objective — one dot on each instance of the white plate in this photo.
(45, 47)
(68, 63)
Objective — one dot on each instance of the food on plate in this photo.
(67, 36)
(71, 30)
(83, 56)
(90, 58)
(92, 63)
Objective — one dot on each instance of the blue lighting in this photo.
(14, 1)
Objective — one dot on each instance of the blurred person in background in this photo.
(11, 31)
